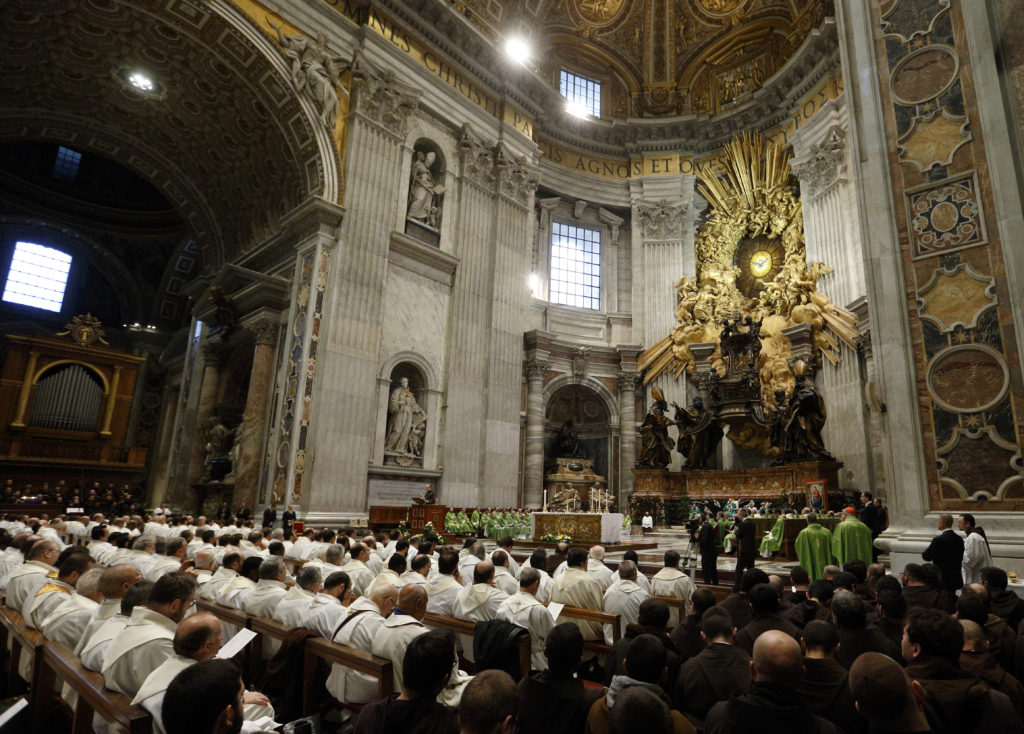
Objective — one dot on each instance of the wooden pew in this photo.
(466, 630)
(602, 618)
(22, 638)
(267, 631)
(317, 648)
(236, 619)
(57, 663)
(720, 590)
(676, 609)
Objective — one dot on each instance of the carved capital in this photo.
(214, 353)
(535, 368)
(662, 220)
(824, 165)
(265, 332)
(627, 381)
(478, 160)
(516, 181)
(378, 96)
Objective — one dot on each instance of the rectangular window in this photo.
(65, 167)
(575, 266)
(578, 90)
(37, 277)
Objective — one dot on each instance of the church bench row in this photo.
(52, 662)
(315, 649)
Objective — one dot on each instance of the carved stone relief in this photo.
(826, 165)
(661, 221)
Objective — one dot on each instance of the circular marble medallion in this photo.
(944, 216)
(924, 74)
(968, 378)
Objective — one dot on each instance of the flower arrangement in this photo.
(403, 528)
(552, 538)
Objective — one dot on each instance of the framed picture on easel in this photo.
(817, 497)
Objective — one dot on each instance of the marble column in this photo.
(254, 419)
(626, 381)
(214, 353)
(533, 494)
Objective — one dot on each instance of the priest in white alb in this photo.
(526, 610)
(671, 581)
(69, 620)
(27, 579)
(401, 628)
(145, 642)
(197, 638)
(479, 601)
(577, 588)
(624, 598)
(443, 588)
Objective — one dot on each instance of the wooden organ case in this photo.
(65, 409)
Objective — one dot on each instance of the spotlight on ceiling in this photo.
(518, 49)
(141, 81)
(577, 109)
(138, 81)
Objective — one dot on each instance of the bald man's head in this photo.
(204, 559)
(384, 596)
(975, 639)
(118, 579)
(413, 601)
(483, 572)
(777, 659)
(198, 637)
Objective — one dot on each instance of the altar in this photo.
(588, 527)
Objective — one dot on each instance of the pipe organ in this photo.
(65, 407)
(68, 398)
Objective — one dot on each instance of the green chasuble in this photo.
(474, 520)
(814, 549)
(851, 539)
(772, 542)
(463, 524)
(450, 522)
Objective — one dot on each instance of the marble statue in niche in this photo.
(315, 70)
(407, 424)
(218, 438)
(426, 195)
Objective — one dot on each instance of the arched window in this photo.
(68, 398)
(37, 276)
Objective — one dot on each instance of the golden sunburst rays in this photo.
(749, 194)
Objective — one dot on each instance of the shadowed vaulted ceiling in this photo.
(225, 140)
(656, 58)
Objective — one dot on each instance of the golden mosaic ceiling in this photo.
(656, 58)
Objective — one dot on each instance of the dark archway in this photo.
(590, 418)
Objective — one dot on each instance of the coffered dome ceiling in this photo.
(222, 135)
(656, 58)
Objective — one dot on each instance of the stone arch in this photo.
(592, 416)
(610, 401)
(429, 373)
(225, 91)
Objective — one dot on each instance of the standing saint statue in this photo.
(699, 435)
(423, 192)
(656, 444)
(805, 419)
(315, 70)
(406, 425)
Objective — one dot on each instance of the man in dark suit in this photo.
(746, 546)
(947, 552)
(270, 516)
(288, 517)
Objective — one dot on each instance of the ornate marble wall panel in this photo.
(958, 296)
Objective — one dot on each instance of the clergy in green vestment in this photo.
(772, 542)
(475, 520)
(851, 539)
(814, 547)
(450, 522)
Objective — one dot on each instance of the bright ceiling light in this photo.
(518, 49)
(577, 108)
(141, 82)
